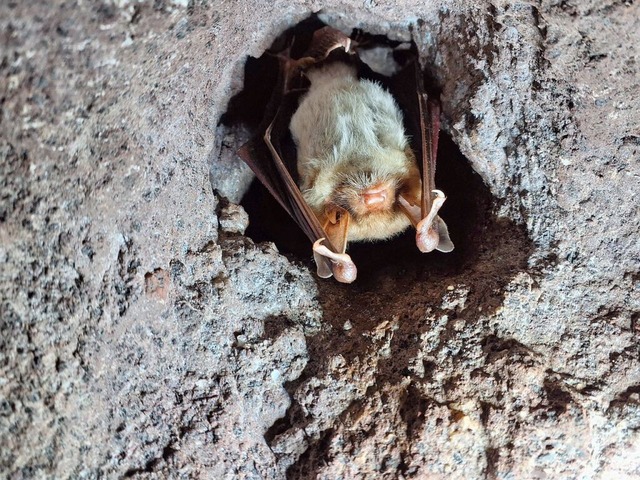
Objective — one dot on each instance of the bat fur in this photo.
(350, 137)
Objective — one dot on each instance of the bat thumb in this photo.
(427, 240)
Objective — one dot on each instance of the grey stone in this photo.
(139, 338)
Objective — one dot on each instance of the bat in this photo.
(355, 175)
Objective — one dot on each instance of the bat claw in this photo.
(342, 267)
(328, 39)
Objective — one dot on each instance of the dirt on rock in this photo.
(149, 328)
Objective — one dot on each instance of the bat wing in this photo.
(422, 121)
(264, 155)
(423, 124)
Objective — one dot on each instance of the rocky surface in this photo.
(144, 335)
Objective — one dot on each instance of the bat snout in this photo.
(378, 197)
(373, 196)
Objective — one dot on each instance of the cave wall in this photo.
(143, 334)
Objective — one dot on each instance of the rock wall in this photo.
(144, 335)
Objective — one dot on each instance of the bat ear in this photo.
(445, 244)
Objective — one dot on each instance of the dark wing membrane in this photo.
(256, 154)
(275, 168)
(433, 134)
(284, 172)
(422, 122)
(276, 171)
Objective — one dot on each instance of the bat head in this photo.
(370, 197)
(374, 191)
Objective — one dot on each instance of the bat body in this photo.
(353, 152)
(358, 177)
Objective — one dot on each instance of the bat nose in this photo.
(376, 197)
(373, 198)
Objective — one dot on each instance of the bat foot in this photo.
(328, 39)
(342, 267)
(431, 232)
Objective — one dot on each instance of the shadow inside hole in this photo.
(261, 75)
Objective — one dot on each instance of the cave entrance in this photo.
(401, 294)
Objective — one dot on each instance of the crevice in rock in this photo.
(152, 465)
(308, 464)
(496, 348)
(558, 398)
(412, 411)
(630, 396)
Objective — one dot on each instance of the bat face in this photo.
(370, 198)
(353, 152)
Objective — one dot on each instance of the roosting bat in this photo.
(356, 176)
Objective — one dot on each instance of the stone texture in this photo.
(143, 335)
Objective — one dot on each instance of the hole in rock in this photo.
(467, 210)
(400, 293)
